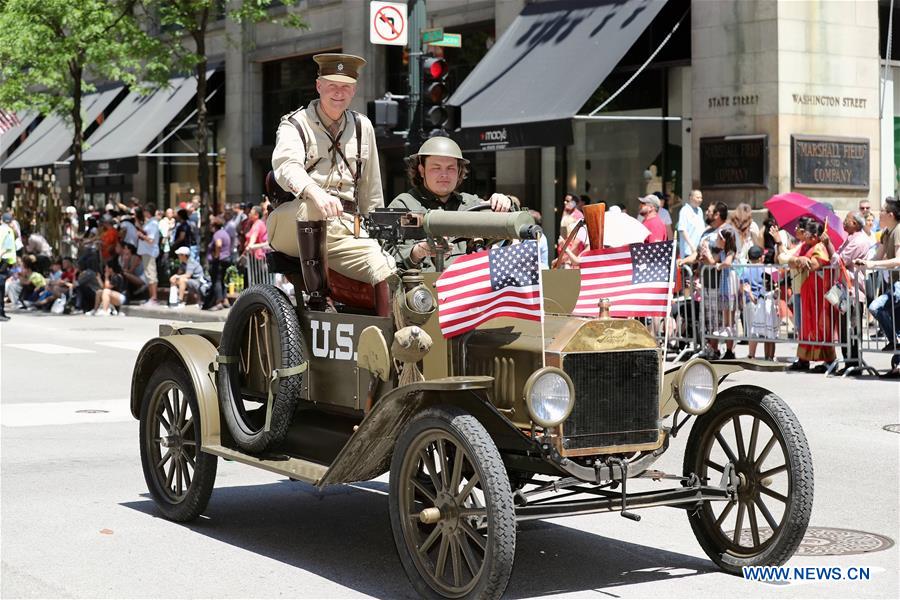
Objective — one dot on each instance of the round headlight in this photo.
(550, 396)
(420, 300)
(696, 387)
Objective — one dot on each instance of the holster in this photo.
(311, 238)
(383, 299)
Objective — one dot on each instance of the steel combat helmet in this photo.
(440, 146)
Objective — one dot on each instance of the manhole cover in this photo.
(91, 411)
(828, 541)
(895, 428)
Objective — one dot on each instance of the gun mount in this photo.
(395, 225)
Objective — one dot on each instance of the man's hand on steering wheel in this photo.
(500, 203)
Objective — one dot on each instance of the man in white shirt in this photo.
(691, 224)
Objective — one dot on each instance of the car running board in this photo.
(295, 468)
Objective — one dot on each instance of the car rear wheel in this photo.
(451, 507)
(756, 433)
(179, 475)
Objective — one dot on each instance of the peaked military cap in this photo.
(342, 68)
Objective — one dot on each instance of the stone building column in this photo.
(787, 69)
(243, 116)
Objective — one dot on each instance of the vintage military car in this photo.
(501, 425)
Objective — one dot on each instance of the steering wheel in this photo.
(475, 207)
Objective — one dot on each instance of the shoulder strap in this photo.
(299, 129)
(305, 142)
(357, 129)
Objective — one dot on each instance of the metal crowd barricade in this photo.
(258, 270)
(776, 314)
(879, 319)
(683, 335)
(713, 305)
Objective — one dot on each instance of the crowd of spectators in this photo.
(758, 282)
(756, 278)
(127, 254)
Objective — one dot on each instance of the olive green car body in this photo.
(485, 374)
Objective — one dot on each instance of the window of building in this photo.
(635, 151)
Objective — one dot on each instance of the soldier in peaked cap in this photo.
(325, 156)
(435, 173)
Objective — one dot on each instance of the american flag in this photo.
(8, 120)
(501, 282)
(635, 278)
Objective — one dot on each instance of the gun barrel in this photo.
(479, 224)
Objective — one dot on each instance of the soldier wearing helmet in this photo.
(435, 173)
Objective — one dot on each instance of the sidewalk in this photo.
(186, 313)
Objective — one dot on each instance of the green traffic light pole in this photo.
(414, 122)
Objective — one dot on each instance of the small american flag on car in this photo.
(500, 282)
(636, 279)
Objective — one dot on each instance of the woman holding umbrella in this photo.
(817, 322)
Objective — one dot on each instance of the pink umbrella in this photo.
(788, 208)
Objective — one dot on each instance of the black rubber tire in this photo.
(757, 404)
(247, 434)
(499, 549)
(175, 504)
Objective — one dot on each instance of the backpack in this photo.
(279, 195)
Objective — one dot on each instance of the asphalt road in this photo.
(77, 521)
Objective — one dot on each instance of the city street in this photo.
(77, 520)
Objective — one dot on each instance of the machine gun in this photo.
(394, 226)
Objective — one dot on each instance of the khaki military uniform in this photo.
(333, 169)
(416, 200)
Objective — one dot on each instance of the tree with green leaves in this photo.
(52, 52)
(193, 17)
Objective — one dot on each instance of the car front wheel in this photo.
(757, 434)
(451, 507)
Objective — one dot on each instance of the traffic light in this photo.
(435, 94)
(389, 112)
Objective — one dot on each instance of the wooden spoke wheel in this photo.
(759, 436)
(179, 475)
(451, 507)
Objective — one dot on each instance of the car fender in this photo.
(196, 355)
(367, 454)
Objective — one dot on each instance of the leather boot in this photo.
(383, 306)
(311, 237)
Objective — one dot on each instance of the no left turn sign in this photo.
(388, 23)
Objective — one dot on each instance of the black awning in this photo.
(546, 65)
(134, 125)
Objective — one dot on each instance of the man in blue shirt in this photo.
(148, 248)
(190, 275)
